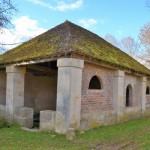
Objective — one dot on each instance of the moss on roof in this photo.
(68, 37)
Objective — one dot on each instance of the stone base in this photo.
(25, 121)
(96, 119)
(47, 120)
(146, 113)
(24, 116)
(129, 113)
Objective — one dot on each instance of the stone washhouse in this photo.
(71, 78)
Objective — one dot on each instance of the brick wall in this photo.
(97, 100)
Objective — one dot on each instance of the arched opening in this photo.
(147, 90)
(95, 83)
(128, 96)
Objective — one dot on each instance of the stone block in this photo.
(70, 62)
(47, 119)
(25, 121)
(24, 111)
(13, 69)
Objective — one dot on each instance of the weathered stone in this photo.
(70, 134)
(129, 113)
(118, 91)
(24, 111)
(24, 116)
(142, 93)
(68, 94)
(14, 90)
(25, 121)
(47, 120)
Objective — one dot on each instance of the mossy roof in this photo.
(68, 37)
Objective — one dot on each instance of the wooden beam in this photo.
(41, 69)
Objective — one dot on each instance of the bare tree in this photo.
(111, 39)
(147, 2)
(7, 10)
(144, 37)
(127, 44)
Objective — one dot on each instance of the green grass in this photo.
(129, 136)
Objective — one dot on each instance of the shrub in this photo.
(4, 123)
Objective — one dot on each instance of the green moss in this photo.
(94, 124)
(68, 37)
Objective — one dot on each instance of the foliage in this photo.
(4, 123)
(129, 135)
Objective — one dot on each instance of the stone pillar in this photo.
(68, 94)
(142, 94)
(14, 90)
(118, 92)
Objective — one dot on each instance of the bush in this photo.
(4, 123)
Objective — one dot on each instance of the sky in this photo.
(120, 18)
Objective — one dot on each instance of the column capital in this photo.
(14, 69)
(143, 79)
(70, 62)
(119, 73)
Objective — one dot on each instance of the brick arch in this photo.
(95, 83)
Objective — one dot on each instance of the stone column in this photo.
(14, 90)
(118, 92)
(68, 94)
(142, 94)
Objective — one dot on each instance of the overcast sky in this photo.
(120, 18)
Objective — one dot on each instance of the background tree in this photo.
(111, 39)
(127, 44)
(144, 37)
(7, 10)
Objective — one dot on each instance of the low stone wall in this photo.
(147, 111)
(3, 111)
(129, 113)
(98, 118)
(148, 99)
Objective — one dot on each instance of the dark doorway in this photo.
(129, 96)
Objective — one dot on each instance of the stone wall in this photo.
(97, 100)
(40, 92)
(2, 88)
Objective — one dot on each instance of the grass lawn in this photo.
(132, 135)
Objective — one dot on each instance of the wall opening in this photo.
(3, 78)
(129, 95)
(41, 88)
(95, 83)
(147, 90)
